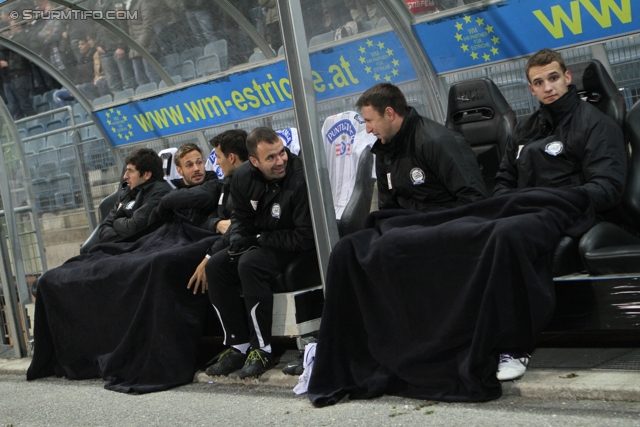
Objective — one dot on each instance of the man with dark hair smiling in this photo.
(270, 227)
(566, 143)
(144, 189)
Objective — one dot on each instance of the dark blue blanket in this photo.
(420, 305)
(123, 312)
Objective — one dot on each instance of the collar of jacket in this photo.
(555, 112)
(400, 140)
(134, 192)
(208, 175)
(257, 174)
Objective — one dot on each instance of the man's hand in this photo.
(4, 64)
(243, 245)
(199, 278)
(100, 50)
(223, 225)
(119, 53)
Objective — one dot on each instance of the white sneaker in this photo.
(511, 368)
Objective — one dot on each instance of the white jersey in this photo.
(345, 138)
(168, 165)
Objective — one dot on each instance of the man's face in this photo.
(83, 46)
(271, 159)
(133, 177)
(548, 82)
(191, 168)
(225, 162)
(381, 125)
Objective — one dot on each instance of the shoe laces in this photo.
(507, 357)
(255, 356)
(225, 353)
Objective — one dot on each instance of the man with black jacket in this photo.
(16, 73)
(197, 192)
(270, 227)
(566, 143)
(420, 164)
(231, 152)
(145, 187)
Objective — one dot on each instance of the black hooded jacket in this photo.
(426, 165)
(132, 212)
(567, 143)
(278, 210)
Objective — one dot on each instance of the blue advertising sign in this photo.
(518, 27)
(338, 71)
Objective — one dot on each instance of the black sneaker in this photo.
(228, 361)
(258, 362)
(295, 367)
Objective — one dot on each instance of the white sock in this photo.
(266, 349)
(242, 348)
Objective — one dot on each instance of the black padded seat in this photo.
(608, 249)
(301, 273)
(631, 197)
(594, 83)
(105, 207)
(480, 113)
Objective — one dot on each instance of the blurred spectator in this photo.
(16, 73)
(141, 30)
(272, 21)
(363, 10)
(114, 52)
(200, 21)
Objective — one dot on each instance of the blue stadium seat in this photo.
(63, 189)
(43, 195)
(54, 124)
(56, 140)
(35, 129)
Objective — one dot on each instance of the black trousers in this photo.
(247, 320)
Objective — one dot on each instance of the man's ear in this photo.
(147, 175)
(254, 161)
(232, 158)
(567, 76)
(390, 113)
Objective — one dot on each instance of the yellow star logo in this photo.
(489, 29)
(130, 126)
(389, 52)
(474, 55)
(108, 122)
(126, 137)
(118, 112)
(120, 135)
(367, 69)
(113, 130)
(494, 50)
(362, 49)
(130, 133)
(369, 43)
(376, 77)
(387, 78)
(486, 57)
(380, 45)
(495, 40)
(467, 19)
(363, 60)
(108, 115)
(395, 62)
(124, 118)
(111, 110)
(395, 72)
(479, 21)
(458, 36)
(464, 47)
(458, 26)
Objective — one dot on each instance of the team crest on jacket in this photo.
(417, 176)
(130, 205)
(254, 205)
(341, 136)
(275, 210)
(554, 148)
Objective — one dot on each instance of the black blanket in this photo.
(420, 304)
(123, 312)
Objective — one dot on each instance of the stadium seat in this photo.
(146, 88)
(257, 57)
(191, 54)
(43, 195)
(188, 71)
(124, 94)
(35, 129)
(382, 22)
(56, 140)
(168, 165)
(281, 51)
(171, 63)
(220, 48)
(478, 111)
(207, 65)
(103, 211)
(54, 124)
(102, 100)
(321, 39)
(176, 79)
(62, 186)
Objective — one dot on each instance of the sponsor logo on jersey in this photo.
(130, 205)
(341, 135)
(417, 176)
(554, 148)
(254, 205)
(286, 136)
(275, 210)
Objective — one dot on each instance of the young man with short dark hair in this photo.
(145, 187)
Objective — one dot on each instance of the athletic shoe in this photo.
(295, 367)
(512, 367)
(258, 362)
(228, 361)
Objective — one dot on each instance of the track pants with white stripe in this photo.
(246, 319)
